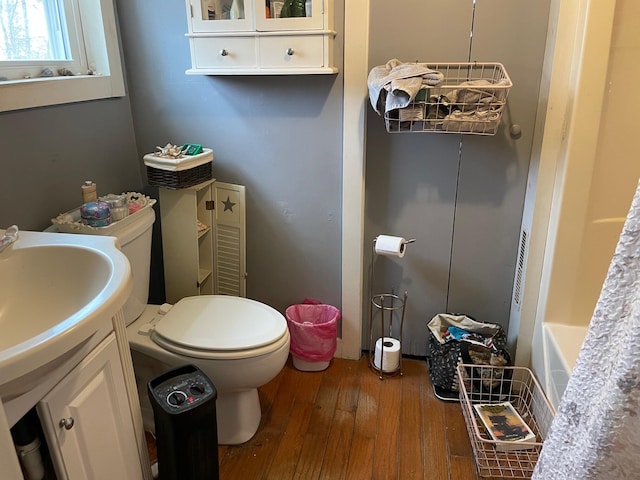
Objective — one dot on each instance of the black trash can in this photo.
(184, 411)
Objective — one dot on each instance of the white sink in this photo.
(58, 292)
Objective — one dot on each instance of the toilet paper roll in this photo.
(387, 354)
(390, 246)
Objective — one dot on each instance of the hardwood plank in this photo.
(349, 387)
(325, 402)
(334, 466)
(411, 435)
(385, 462)
(368, 401)
(360, 464)
(311, 457)
(462, 468)
(307, 383)
(457, 437)
(436, 460)
(251, 459)
(279, 413)
(288, 453)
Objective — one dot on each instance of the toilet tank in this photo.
(134, 236)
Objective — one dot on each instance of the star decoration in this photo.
(228, 205)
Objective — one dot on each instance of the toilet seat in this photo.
(220, 327)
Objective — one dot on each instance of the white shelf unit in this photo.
(209, 260)
(188, 253)
(251, 39)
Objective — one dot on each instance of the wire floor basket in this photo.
(488, 384)
(470, 100)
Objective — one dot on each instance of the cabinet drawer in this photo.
(224, 52)
(292, 51)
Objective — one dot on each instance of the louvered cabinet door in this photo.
(229, 250)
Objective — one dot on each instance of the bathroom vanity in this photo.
(65, 353)
(88, 422)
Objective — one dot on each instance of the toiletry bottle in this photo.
(89, 193)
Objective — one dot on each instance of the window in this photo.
(58, 51)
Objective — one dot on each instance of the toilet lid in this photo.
(219, 323)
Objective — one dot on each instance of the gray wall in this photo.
(48, 152)
(280, 136)
(461, 196)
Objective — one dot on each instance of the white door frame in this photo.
(356, 69)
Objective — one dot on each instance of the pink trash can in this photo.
(313, 329)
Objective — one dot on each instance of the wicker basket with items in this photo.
(177, 167)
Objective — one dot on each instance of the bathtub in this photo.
(561, 345)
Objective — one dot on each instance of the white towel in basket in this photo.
(396, 83)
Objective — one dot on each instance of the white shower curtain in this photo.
(596, 431)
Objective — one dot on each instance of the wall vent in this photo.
(522, 256)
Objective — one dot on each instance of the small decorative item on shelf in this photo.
(117, 205)
(96, 214)
(169, 151)
(440, 97)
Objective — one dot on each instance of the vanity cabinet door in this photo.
(87, 421)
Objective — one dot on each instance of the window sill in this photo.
(39, 92)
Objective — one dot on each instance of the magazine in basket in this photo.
(505, 426)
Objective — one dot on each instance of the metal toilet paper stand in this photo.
(385, 303)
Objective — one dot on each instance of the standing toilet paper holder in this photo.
(385, 303)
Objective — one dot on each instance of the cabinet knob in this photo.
(224, 52)
(290, 51)
(67, 423)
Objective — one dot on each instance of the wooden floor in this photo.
(345, 423)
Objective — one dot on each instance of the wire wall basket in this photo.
(496, 385)
(470, 99)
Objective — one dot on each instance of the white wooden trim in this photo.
(578, 71)
(101, 40)
(356, 54)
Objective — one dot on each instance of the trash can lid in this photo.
(220, 323)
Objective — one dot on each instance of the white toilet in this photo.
(240, 344)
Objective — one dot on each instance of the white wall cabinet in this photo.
(252, 37)
(87, 420)
(203, 240)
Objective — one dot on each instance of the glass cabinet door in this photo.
(221, 15)
(289, 14)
